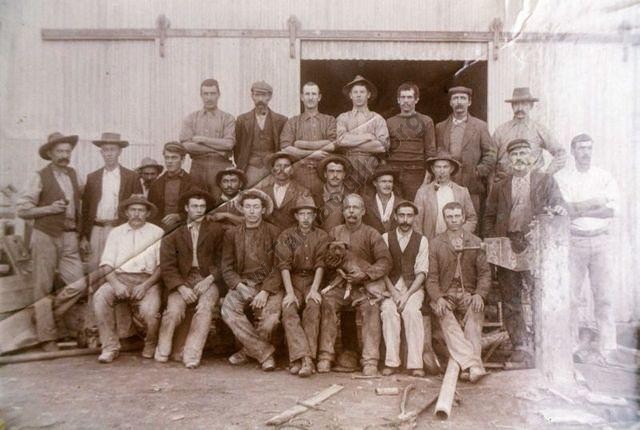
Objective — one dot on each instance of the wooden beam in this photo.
(310, 403)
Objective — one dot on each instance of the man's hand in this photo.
(260, 300)
(313, 295)
(85, 248)
(357, 277)
(58, 207)
(199, 139)
(403, 297)
(318, 155)
(290, 299)
(138, 292)
(187, 294)
(556, 210)
(441, 306)
(170, 219)
(121, 290)
(201, 287)
(217, 217)
(477, 303)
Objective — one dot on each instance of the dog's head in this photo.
(336, 251)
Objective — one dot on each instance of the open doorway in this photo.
(432, 77)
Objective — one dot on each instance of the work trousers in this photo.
(511, 285)
(146, 312)
(204, 170)
(592, 255)
(302, 335)
(255, 339)
(332, 303)
(413, 330)
(174, 315)
(50, 255)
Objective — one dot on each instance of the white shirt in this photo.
(279, 191)
(108, 205)
(194, 229)
(421, 264)
(385, 212)
(262, 119)
(444, 195)
(595, 183)
(133, 250)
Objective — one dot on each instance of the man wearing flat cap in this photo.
(300, 252)
(131, 261)
(230, 181)
(334, 172)
(362, 134)
(523, 127)
(165, 192)
(513, 203)
(467, 139)
(310, 137)
(431, 197)
(258, 134)
(208, 135)
(188, 261)
(379, 205)
(249, 268)
(51, 199)
(149, 170)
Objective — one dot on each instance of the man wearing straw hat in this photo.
(131, 261)
(149, 170)
(51, 199)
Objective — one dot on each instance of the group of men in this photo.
(293, 221)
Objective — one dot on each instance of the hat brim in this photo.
(322, 165)
(394, 173)
(254, 194)
(453, 161)
(153, 210)
(208, 198)
(367, 83)
(44, 149)
(296, 209)
(158, 167)
(524, 99)
(271, 159)
(239, 173)
(120, 143)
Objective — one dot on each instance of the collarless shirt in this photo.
(279, 192)
(458, 127)
(385, 211)
(132, 250)
(444, 195)
(108, 205)
(214, 123)
(194, 229)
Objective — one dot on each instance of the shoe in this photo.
(417, 372)
(307, 368)
(50, 346)
(108, 356)
(388, 371)
(295, 367)
(431, 363)
(269, 364)
(324, 366)
(238, 358)
(476, 373)
(191, 365)
(148, 351)
(160, 358)
(370, 370)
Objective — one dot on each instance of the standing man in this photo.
(367, 244)
(208, 135)
(131, 259)
(300, 251)
(165, 192)
(258, 134)
(432, 197)
(458, 283)
(51, 198)
(149, 171)
(309, 137)
(523, 127)
(333, 171)
(410, 254)
(362, 135)
(282, 189)
(512, 205)
(413, 139)
(249, 269)
(188, 263)
(467, 139)
(593, 197)
(379, 206)
(230, 181)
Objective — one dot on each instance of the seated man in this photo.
(379, 205)
(187, 261)
(230, 181)
(458, 282)
(250, 272)
(300, 251)
(131, 259)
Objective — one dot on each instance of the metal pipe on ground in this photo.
(447, 391)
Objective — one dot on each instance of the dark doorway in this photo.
(432, 77)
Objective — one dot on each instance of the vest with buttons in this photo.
(403, 262)
(53, 225)
(263, 138)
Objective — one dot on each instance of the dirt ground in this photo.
(133, 393)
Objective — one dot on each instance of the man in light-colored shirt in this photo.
(208, 135)
(131, 259)
(593, 199)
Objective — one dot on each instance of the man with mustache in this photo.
(334, 172)
(51, 199)
(149, 171)
(208, 135)
(258, 134)
(412, 141)
(230, 181)
(512, 204)
(523, 127)
(467, 139)
(379, 206)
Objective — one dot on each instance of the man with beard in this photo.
(523, 127)
(379, 206)
(511, 206)
(310, 137)
(51, 198)
(209, 137)
(258, 134)
(230, 181)
(333, 171)
(412, 141)
(432, 197)
(149, 171)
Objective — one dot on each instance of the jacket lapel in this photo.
(186, 235)
(239, 244)
(446, 138)
(433, 208)
(251, 126)
(123, 184)
(290, 194)
(469, 132)
(506, 191)
(98, 195)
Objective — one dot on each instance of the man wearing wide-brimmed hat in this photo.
(523, 127)
(362, 134)
(149, 170)
(379, 205)
(334, 171)
(230, 181)
(189, 258)
(300, 251)
(165, 192)
(468, 140)
(431, 197)
(258, 134)
(51, 199)
(249, 269)
(131, 260)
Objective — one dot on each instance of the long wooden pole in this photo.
(447, 390)
(305, 405)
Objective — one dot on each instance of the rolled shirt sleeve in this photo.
(30, 194)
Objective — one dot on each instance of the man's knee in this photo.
(388, 309)
(105, 295)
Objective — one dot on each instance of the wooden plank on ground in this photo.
(16, 292)
(308, 404)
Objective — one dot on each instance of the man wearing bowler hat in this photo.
(334, 171)
(230, 181)
(51, 199)
(149, 170)
(362, 134)
(523, 127)
(379, 206)
(467, 139)
(258, 134)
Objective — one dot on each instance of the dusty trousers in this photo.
(301, 334)
(392, 321)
